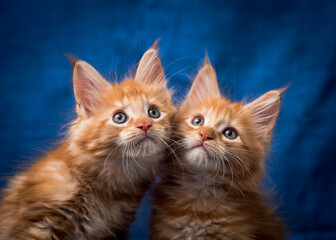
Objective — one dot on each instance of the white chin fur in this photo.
(145, 148)
(197, 157)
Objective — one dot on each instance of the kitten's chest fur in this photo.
(113, 195)
(198, 208)
(101, 203)
(202, 193)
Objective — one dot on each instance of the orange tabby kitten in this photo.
(91, 185)
(213, 190)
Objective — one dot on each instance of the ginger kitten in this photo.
(212, 191)
(91, 185)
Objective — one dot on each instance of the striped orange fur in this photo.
(212, 190)
(91, 185)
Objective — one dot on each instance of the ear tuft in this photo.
(88, 84)
(284, 89)
(150, 69)
(72, 59)
(205, 84)
(206, 59)
(156, 43)
(265, 109)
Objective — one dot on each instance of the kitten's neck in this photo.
(110, 172)
(212, 181)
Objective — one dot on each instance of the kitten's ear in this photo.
(265, 109)
(88, 84)
(205, 84)
(150, 68)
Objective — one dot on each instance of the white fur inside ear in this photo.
(150, 70)
(88, 84)
(265, 109)
(204, 85)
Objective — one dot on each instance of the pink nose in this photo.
(205, 136)
(145, 126)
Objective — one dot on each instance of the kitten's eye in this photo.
(197, 121)
(119, 118)
(230, 133)
(153, 113)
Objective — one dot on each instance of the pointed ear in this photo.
(265, 109)
(88, 84)
(150, 69)
(205, 84)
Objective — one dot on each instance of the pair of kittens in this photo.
(210, 152)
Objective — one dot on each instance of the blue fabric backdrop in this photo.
(255, 46)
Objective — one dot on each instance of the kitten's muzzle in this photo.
(145, 137)
(144, 126)
(202, 146)
(206, 136)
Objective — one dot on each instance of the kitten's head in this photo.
(217, 134)
(129, 119)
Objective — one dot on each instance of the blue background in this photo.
(255, 46)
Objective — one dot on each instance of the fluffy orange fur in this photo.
(92, 184)
(212, 189)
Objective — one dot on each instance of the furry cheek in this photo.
(135, 146)
(127, 135)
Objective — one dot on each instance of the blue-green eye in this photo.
(154, 113)
(197, 121)
(230, 133)
(119, 118)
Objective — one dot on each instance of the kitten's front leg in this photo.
(43, 224)
(26, 232)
